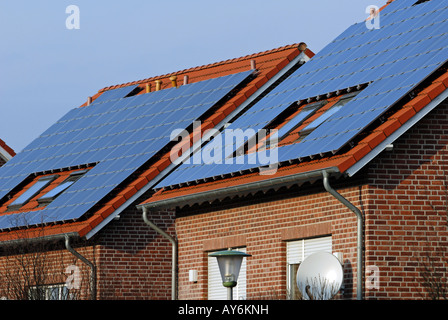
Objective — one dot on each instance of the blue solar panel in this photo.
(119, 136)
(115, 94)
(412, 43)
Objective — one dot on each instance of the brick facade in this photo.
(407, 210)
(135, 261)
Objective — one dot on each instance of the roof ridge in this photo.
(206, 66)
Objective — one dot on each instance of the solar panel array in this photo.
(411, 44)
(118, 134)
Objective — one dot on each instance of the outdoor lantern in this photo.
(229, 262)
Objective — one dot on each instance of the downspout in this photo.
(174, 252)
(359, 217)
(87, 262)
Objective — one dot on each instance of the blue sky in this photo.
(47, 69)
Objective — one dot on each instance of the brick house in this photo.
(68, 200)
(368, 181)
(359, 170)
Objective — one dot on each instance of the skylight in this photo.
(54, 193)
(31, 192)
(295, 122)
(327, 114)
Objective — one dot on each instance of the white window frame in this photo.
(216, 291)
(296, 252)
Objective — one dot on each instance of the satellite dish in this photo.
(320, 276)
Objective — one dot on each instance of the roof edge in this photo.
(397, 134)
(21, 241)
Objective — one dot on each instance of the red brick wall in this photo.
(407, 212)
(263, 227)
(135, 261)
(43, 266)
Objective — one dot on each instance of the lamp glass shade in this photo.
(229, 263)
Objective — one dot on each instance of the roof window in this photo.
(31, 192)
(54, 193)
(327, 114)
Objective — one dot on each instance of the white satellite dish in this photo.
(320, 276)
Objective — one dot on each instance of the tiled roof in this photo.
(268, 64)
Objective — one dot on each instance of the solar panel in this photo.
(118, 135)
(411, 44)
(115, 94)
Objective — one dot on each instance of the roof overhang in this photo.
(274, 183)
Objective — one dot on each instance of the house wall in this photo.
(45, 264)
(263, 223)
(406, 220)
(135, 261)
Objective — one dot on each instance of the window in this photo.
(295, 122)
(54, 193)
(335, 108)
(50, 292)
(31, 192)
(296, 252)
(216, 291)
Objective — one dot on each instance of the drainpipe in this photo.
(174, 252)
(90, 264)
(359, 217)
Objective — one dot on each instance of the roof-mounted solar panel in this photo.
(118, 140)
(410, 45)
(115, 94)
